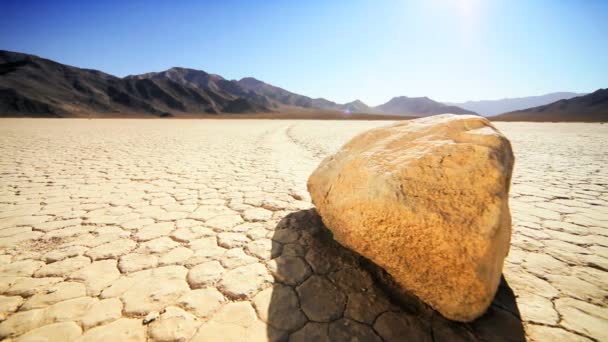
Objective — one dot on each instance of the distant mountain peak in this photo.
(418, 106)
(250, 79)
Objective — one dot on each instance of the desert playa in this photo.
(203, 230)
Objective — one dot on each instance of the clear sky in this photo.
(448, 50)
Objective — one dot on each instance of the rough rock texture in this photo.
(427, 200)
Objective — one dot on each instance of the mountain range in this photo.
(34, 86)
(592, 107)
(37, 87)
(495, 107)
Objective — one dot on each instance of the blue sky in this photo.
(448, 50)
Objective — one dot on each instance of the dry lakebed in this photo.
(203, 230)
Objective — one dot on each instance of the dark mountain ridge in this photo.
(35, 86)
(281, 96)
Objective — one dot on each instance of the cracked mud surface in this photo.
(203, 230)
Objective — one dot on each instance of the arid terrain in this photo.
(202, 230)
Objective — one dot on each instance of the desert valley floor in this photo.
(202, 230)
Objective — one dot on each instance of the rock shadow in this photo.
(326, 292)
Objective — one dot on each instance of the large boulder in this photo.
(427, 200)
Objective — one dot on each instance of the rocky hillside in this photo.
(587, 108)
(415, 106)
(34, 86)
(281, 96)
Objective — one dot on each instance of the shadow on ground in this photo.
(326, 292)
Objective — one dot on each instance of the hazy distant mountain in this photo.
(34, 86)
(357, 106)
(589, 108)
(494, 107)
(418, 106)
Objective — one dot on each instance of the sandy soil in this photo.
(201, 229)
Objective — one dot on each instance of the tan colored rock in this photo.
(149, 290)
(26, 287)
(69, 310)
(187, 234)
(243, 281)
(154, 231)
(9, 305)
(13, 231)
(264, 249)
(536, 309)
(150, 317)
(234, 322)
(160, 245)
(427, 200)
(67, 232)
(23, 220)
(255, 232)
(101, 312)
(21, 322)
(97, 275)
(63, 253)
(579, 289)
(124, 329)
(7, 282)
(23, 268)
(541, 333)
(54, 294)
(112, 249)
(174, 324)
(207, 212)
(257, 214)
(205, 274)
(63, 268)
(5, 259)
(236, 257)
(136, 262)
(52, 225)
(584, 318)
(232, 240)
(531, 284)
(202, 302)
(64, 331)
(136, 224)
(175, 256)
(205, 249)
(224, 222)
(13, 240)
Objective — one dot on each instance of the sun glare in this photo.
(466, 8)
